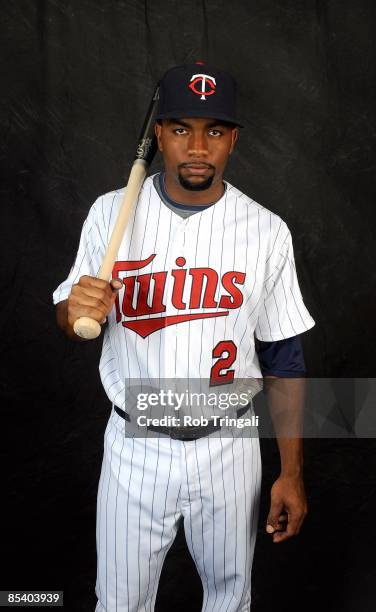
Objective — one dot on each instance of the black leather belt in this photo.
(189, 432)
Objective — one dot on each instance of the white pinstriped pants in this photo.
(146, 484)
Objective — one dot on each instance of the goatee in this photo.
(195, 186)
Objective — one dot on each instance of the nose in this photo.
(198, 144)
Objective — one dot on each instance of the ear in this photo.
(158, 133)
(234, 138)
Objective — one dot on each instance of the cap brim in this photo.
(180, 114)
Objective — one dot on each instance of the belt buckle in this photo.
(191, 432)
(181, 433)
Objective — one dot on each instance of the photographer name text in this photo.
(189, 421)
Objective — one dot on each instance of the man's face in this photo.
(195, 150)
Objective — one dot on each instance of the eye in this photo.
(180, 131)
(214, 132)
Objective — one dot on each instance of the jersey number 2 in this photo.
(217, 377)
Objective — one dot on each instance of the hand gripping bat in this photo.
(85, 327)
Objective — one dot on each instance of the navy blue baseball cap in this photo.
(197, 90)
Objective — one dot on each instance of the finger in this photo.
(93, 282)
(291, 529)
(282, 524)
(282, 521)
(273, 517)
(85, 311)
(281, 536)
(92, 292)
(91, 298)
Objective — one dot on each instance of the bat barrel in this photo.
(147, 142)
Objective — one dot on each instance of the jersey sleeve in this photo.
(282, 312)
(88, 258)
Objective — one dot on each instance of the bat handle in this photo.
(87, 328)
(84, 326)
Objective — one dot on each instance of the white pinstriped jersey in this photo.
(195, 290)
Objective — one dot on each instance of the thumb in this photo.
(116, 284)
(276, 508)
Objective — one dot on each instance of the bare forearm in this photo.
(285, 398)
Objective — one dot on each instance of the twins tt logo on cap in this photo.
(206, 81)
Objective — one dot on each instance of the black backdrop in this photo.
(77, 77)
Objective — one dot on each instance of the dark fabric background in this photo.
(76, 81)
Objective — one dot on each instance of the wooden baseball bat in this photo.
(85, 327)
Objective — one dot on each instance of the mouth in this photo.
(197, 168)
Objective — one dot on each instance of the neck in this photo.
(177, 193)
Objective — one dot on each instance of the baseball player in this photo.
(204, 288)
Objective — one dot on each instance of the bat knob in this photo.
(87, 328)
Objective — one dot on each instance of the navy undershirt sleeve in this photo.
(282, 358)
